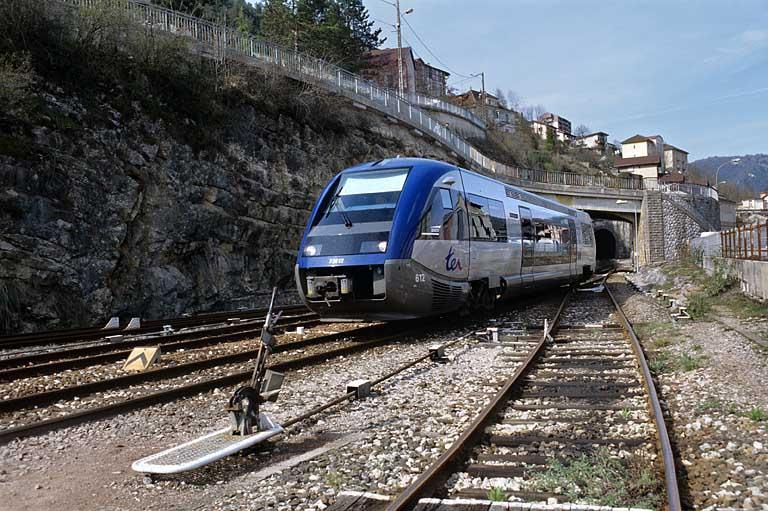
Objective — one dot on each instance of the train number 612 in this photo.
(420, 277)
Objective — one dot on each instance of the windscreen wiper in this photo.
(347, 220)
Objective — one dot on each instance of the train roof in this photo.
(441, 166)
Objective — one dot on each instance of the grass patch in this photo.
(660, 362)
(334, 479)
(655, 328)
(757, 415)
(600, 479)
(688, 362)
(744, 307)
(710, 404)
(496, 494)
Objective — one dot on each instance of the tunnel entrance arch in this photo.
(605, 244)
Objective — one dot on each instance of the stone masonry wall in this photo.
(686, 218)
(669, 220)
(103, 216)
(652, 228)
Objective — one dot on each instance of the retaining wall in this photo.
(752, 275)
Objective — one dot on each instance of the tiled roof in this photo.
(673, 148)
(635, 139)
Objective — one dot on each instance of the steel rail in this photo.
(137, 403)
(35, 365)
(440, 470)
(668, 457)
(52, 396)
(150, 326)
(104, 346)
(437, 474)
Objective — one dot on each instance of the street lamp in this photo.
(634, 243)
(732, 161)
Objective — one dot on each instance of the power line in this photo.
(430, 51)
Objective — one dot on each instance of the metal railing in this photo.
(225, 41)
(433, 103)
(746, 242)
(686, 188)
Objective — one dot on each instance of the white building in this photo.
(597, 141)
(675, 159)
(643, 156)
(542, 129)
(755, 204)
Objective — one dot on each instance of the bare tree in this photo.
(502, 99)
(514, 101)
(582, 130)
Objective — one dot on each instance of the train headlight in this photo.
(382, 246)
(312, 250)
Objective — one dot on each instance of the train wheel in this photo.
(482, 298)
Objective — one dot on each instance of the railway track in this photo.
(580, 390)
(369, 337)
(50, 409)
(66, 336)
(51, 362)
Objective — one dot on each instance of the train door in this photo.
(442, 243)
(528, 234)
(573, 254)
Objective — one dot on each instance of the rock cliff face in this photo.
(105, 214)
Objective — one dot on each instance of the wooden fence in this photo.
(746, 242)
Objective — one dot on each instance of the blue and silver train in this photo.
(405, 238)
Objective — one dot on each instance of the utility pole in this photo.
(485, 102)
(401, 85)
(482, 93)
(295, 26)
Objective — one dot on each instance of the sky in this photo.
(693, 71)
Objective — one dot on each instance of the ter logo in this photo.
(452, 263)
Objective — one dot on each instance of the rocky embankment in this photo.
(106, 212)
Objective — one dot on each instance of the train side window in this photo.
(441, 221)
(480, 224)
(498, 219)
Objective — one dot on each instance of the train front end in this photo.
(353, 261)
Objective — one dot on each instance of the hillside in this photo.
(137, 179)
(750, 175)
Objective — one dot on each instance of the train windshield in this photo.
(365, 197)
(358, 216)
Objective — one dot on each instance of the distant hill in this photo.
(750, 175)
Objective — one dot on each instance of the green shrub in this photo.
(496, 494)
(659, 362)
(699, 305)
(718, 282)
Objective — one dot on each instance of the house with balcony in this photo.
(380, 66)
(491, 110)
(642, 156)
(559, 127)
(597, 141)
